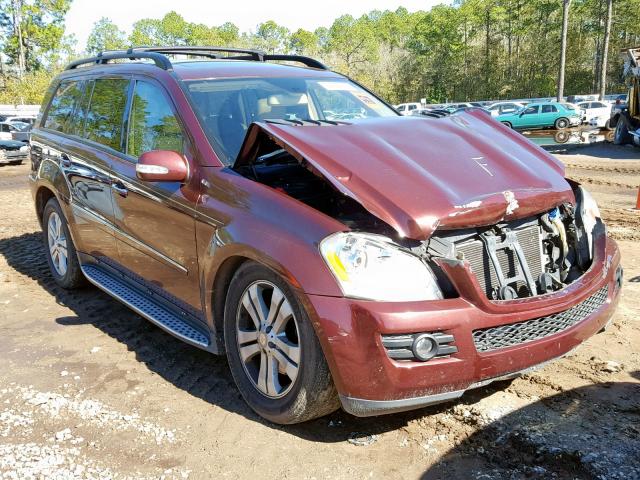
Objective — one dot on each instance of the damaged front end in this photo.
(526, 257)
(530, 235)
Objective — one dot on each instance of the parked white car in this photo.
(7, 130)
(408, 108)
(598, 113)
(20, 118)
(499, 108)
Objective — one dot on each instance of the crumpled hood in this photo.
(419, 174)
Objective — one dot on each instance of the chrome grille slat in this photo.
(502, 336)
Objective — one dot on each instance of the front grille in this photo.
(475, 253)
(487, 339)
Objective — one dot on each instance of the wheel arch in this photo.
(43, 195)
(219, 291)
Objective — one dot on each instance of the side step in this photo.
(153, 311)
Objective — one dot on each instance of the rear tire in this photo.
(59, 248)
(507, 124)
(272, 393)
(561, 123)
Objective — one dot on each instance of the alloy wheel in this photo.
(268, 339)
(57, 242)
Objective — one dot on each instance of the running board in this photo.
(153, 311)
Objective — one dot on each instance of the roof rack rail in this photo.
(158, 55)
(308, 61)
(104, 57)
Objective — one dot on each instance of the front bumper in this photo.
(371, 383)
(9, 156)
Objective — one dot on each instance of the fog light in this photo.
(425, 347)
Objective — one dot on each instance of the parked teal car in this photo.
(542, 115)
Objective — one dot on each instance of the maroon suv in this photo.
(338, 253)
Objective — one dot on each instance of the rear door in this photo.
(155, 221)
(60, 144)
(548, 115)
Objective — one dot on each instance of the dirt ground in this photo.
(88, 389)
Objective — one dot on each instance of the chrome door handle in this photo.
(120, 189)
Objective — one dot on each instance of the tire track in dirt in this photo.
(602, 168)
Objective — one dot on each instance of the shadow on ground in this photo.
(591, 432)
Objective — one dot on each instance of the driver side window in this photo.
(152, 122)
(531, 110)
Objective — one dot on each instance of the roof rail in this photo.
(158, 55)
(104, 57)
(308, 61)
(210, 52)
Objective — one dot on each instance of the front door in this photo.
(529, 117)
(155, 221)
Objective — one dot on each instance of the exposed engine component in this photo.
(522, 258)
(280, 170)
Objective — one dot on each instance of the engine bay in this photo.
(282, 171)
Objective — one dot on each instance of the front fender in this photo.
(260, 224)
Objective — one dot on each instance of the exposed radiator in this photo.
(475, 253)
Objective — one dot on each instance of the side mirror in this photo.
(162, 166)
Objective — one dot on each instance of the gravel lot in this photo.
(88, 389)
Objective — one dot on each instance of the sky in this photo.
(246, 14)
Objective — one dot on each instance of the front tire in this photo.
(60, 251)
(561, 123)
(273, 352)
(507, 124)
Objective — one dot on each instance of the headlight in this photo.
(589, 213)
(372, 267)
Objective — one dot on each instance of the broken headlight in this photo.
(588, 213)
(372, 267)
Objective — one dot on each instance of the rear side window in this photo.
(152, 122)
(61, 108)
(104, 118)
(549, 109)
(76, 125)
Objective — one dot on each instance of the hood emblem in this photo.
(482, 165)
(512, 203)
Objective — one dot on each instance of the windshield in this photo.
(227, 107)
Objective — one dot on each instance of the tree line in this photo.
(468, 50)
